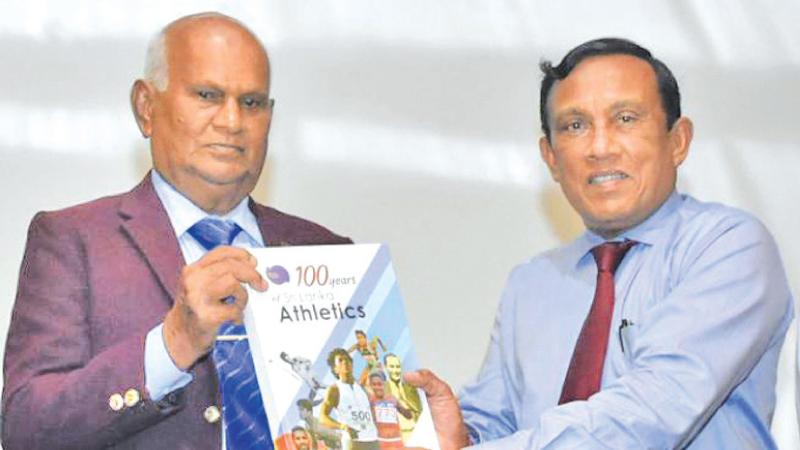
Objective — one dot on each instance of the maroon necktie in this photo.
(586, 366)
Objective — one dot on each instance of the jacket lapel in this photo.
(147, 225)
(273, 231)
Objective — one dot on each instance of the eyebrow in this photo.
(210, 85)
(572, 111)
(264, 94)
(621, 104)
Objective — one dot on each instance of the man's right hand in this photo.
(200, 307)
(446, 413)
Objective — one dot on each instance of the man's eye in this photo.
(627, 117)
(253, 102)
(573, 125)
(207, 94)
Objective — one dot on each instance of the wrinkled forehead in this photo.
(605, 80)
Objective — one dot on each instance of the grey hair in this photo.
(155, 62)
(156, 65)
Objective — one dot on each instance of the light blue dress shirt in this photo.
(708, 304)
(161, 374)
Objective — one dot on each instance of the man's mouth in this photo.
(605, 177)
(226, 147)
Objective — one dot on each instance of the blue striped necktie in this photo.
(245, 420)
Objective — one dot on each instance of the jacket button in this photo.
(211, 414)
(132, 397)
(116, 402)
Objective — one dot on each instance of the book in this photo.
(330, 341)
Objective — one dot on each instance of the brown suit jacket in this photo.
(94, 280)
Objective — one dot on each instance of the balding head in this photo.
(204, 104)
(156, 67)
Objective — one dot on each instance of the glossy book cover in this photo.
(330, 342)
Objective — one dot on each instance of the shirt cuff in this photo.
(161, 375)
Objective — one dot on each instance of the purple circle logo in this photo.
(277, 274)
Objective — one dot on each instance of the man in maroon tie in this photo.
(113, 338)
(659, 327)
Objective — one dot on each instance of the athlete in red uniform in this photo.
(385, 410)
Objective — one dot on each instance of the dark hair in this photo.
(377, 373)
(332, 358)
(299, 428)
(361, 333)
(667, 85)
(305, 403)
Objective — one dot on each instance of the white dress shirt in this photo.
(162, 376)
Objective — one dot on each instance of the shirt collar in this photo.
(183, 213)
(647, 232)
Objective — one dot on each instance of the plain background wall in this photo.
(412, 123)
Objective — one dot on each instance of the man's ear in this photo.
(680, 137)
(549, 157)
(142, 97)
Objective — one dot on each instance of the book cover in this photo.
(330, 342)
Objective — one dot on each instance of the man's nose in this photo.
(602, 144)
(229, 116)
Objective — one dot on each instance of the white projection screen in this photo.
(413, 123)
